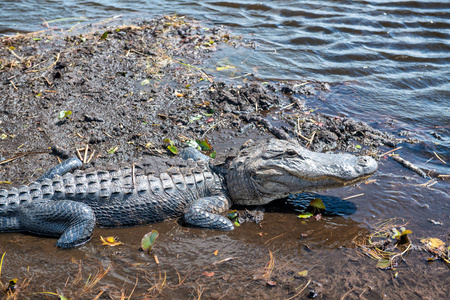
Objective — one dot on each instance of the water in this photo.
(387, 63)
(384, 59)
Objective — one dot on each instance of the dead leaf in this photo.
(110, 241)
(208, 274)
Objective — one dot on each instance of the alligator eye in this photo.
(291, 152)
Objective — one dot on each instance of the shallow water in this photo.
(387, 63)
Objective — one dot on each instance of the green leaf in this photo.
(104, 35)
(64, 113)
(112, 150)
(317, 203)
(3, 136)
(195, 118)
(173, 149)
(305, 215)
(396, 234)
(405, 231)
(213, 154)
(383, 263)
(358, 146)
(148, 241)
(36, 39)
(237, 224)
(168, 141)
(145, 81)
(204, 145)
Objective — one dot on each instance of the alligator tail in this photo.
(9, 210)
(9, 223)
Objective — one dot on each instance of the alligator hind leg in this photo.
(61, 169)
(203, 213)
(72, 221)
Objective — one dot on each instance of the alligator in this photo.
(68, 203)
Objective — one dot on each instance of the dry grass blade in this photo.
(438, 157)
(301, 291)
(54, 63)
(1, 265)
(375, 244)
(269, 266)
(5, 161)
(90, 283)
(390, 151)
(354, 196)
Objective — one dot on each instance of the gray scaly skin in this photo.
(69, 205)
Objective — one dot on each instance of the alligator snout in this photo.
(368, 164)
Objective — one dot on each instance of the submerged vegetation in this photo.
(390, 243)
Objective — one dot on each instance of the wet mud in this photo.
(116, 94)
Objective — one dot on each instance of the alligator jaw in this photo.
(269, 170)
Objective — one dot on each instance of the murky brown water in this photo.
(387, 64)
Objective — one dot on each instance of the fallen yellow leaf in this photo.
(110, 241)
(433, 243)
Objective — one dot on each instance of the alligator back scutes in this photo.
(11, 200)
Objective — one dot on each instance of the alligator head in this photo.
(272, 169)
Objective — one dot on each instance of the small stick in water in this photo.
(408, 165)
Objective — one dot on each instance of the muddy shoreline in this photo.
(118, 93)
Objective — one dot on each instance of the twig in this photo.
(354, 196)
(86, 149)
(275, 237)
(90, 157)
(214, 125)
(15, 54)
(206, 75)
(408, 165)
(15, 87)
(311, 140)
(223, 260)
(79, 154)
(400, 254)
(45, 23)
(19, 156)
(309, 281)
(288, 106)
(390, 151)
(439, 157)
(132, 291)
(166, 116)
(54, 63)
(428, 183)
(303, 137)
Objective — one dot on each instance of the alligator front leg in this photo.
(203, 213)
(72, 221)
(61, 169)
